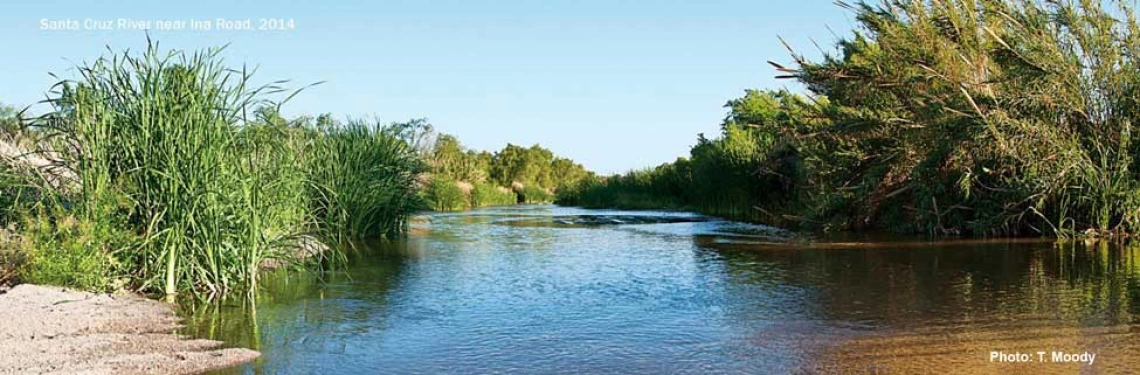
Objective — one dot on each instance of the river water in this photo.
(556, 290)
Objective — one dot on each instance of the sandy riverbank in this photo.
(51, 330)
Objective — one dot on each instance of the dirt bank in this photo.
(50, 330)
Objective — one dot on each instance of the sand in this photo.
(966, 349)
(51, 330)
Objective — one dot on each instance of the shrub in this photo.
(485, 194)
(535, 194)
(70, 251)
(446, 195)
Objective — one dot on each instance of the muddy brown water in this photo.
(556, 290)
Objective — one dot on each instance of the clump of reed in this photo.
(185, 184)
(364, 180)
(154, 141)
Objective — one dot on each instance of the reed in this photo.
(364, 180)
(153, 140)
(187, 183)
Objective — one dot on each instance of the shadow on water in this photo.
(297, 315)
(548, 290)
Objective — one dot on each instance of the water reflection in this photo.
(914, 307)
(301, 319)
(547, 289)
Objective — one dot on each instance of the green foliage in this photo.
(724, 171)
(535, 194)
(463, 179)
(985, 117)
(9, 121)
(13, 183)
(70, 251)
(449, 158)
(988, 117)
(666, 186)
(159, 130)
(514, 164)
(749, 165)
(13, 189)
(364, 177)
(180, 193)
(533, 167)
(446, 195)
(484, 194)
(270, 158)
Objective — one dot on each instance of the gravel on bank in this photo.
(51, 330)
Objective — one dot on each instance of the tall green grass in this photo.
(155, 139)
(184, 188)
(364, 180)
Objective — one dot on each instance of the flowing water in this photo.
(555, 290)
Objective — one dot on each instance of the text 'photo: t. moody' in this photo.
(1043, 357)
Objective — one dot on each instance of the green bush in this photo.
(71, 252)
(535, 194)
(446, 195)
(485, 194)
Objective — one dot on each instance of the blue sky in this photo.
(615, 85)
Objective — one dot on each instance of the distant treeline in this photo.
(462, 178)
(999, 117)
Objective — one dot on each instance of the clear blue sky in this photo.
(613, 84)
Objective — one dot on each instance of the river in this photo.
(558, 290)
